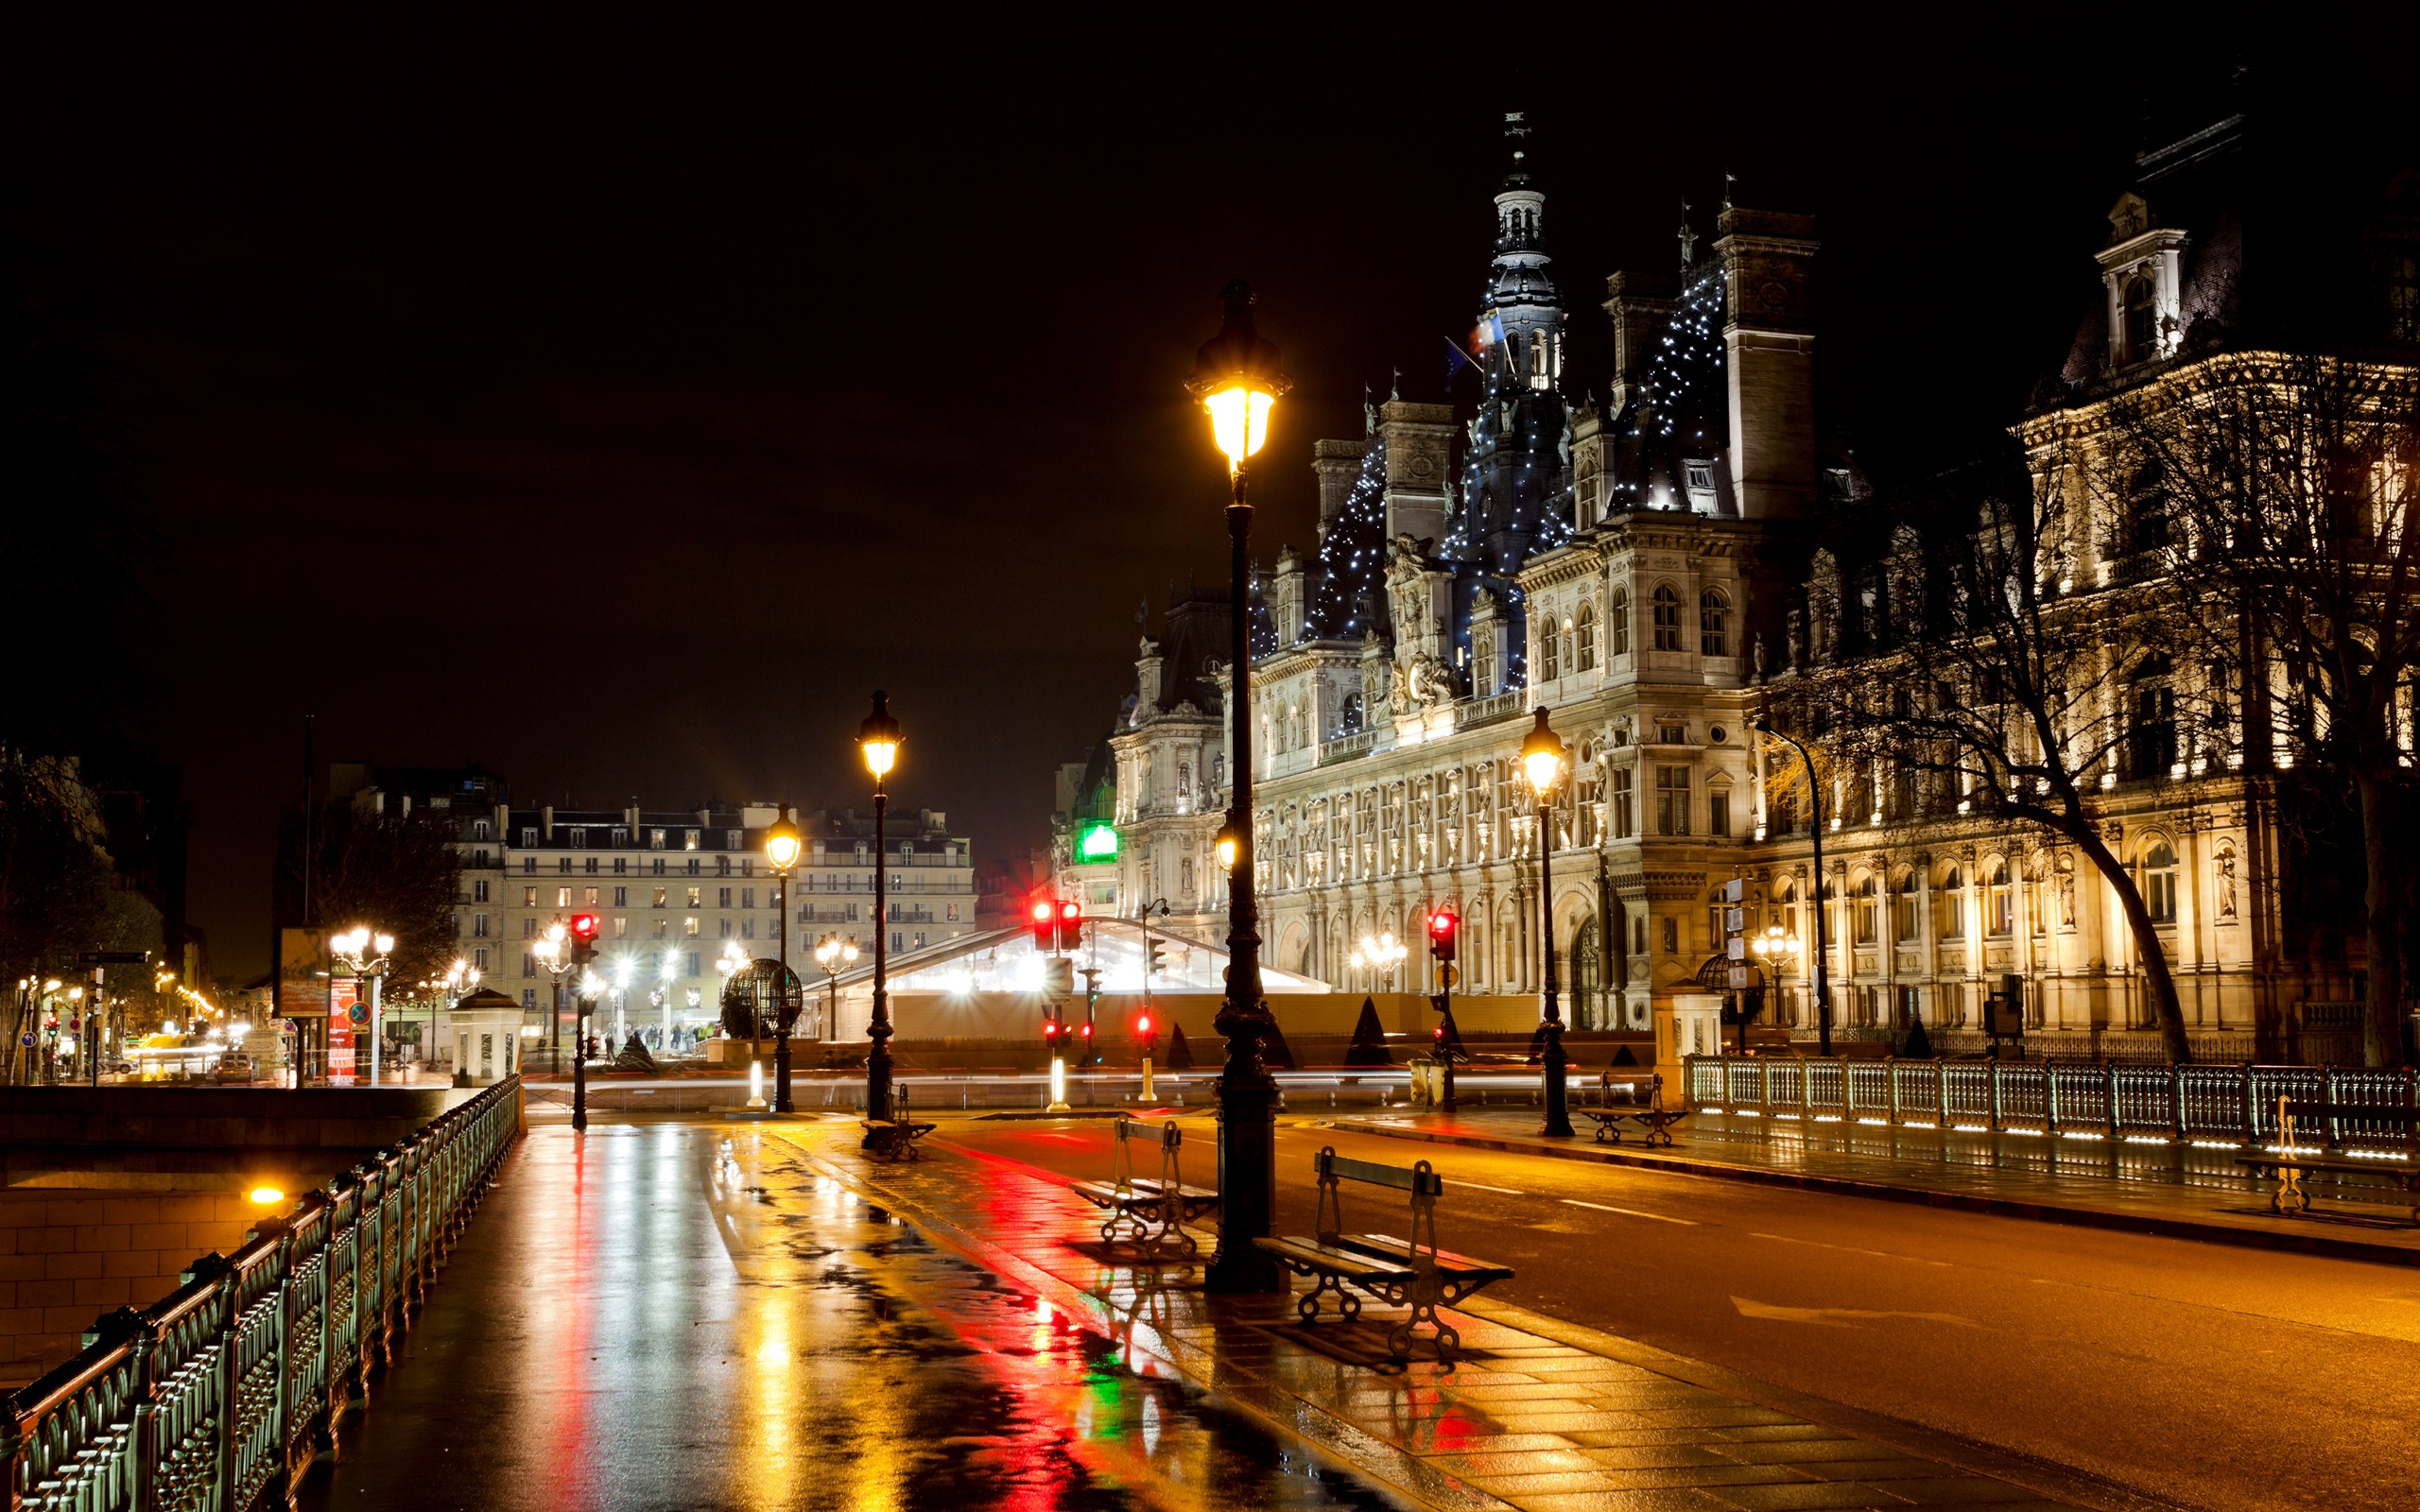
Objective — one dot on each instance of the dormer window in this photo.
(1700, 476)
(2142, 318)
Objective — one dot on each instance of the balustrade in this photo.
(2234, 1103)
(216, 1398)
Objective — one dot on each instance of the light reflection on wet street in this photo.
(686, 1316)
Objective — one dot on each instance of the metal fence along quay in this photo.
(219, 1397)
(2076, 1099)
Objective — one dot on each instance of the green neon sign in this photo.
(1096, 841)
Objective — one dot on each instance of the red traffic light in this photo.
(1041, 910)
(1050, 1028)
(1443, 927)
(1143, 1026)
(1086, 1031)
(583, 926)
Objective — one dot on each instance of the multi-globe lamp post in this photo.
(878, 740)
(1775, 944)
(1763, 724)
(1379, 955)
(833, 955)
(1542, 757)
(1235, 378)
(566, 951)
(364, 954)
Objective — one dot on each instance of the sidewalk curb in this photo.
(2321, 1244)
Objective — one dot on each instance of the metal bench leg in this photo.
(1426, 1293)
(1348, 1306)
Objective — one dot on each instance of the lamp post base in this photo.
(1247, 1177)
(1558, 1124)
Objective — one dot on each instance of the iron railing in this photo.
(219, 1396)
(2211, 1103)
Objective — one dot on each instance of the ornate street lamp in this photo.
(1236, 379)
(782, 846)
(1764, 726)
(878, 738)
(833, 952)
(1775, 944)
(364, 954)
(1379, 955)
(1543, 756)
(557, 954)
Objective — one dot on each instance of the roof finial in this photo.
(1728, 179)
(1517, 130)
(1394, 386)
(1688, 237)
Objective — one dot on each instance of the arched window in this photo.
(1618, 620)
(1714, 620)
(1668, 619)
(1864, 919)
(1787, 901)
(1550, 657)
(2151, 741)
(2159, 884)
(1904, 911)
(1949, 905)
(1584, 631)
(2142, 319)
(2000, 917)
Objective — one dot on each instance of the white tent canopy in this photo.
(1007, 960)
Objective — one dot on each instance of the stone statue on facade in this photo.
(2226, 881)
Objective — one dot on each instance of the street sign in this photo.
(1739, 948)
(1735, 920)
(1739, 979)
(26, 1038)
(111, 957)
(1735, 891)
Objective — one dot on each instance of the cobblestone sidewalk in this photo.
(1538, 1414)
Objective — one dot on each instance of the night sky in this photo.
(616, 399)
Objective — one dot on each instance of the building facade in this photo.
(1656, 573)
(675, 891)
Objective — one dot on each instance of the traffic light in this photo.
(584, 938)
(1046, 924)
(1158, 962)
(1071, 924)
(1050, 1028)
(1147, 1038)
(1443, 927)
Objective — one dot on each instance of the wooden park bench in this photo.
(1622, 1103)
(894, 1138)
(1151, 1214)
(2293, 1163)
(1395, 1271)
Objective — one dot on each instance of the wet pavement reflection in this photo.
(687, 1316)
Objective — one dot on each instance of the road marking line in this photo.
(1481, 1186)
(1629, 1212)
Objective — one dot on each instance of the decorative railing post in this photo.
(1941, 1093)
(2049, 1098)
(1995, 1094)
(2176, 1102)
(2109, 1092)
(2327, 1093)
(144, 1441)
(1891, 1075)
(2411, 1128)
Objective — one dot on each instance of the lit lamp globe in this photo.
(782, 843)
(1235, 378)
(1227, 848)
(1541, 757)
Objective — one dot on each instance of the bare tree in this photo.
(397, 874)
(2280, 490)
(1971, 674)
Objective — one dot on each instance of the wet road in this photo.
(2207, 1375)
(682, 1315)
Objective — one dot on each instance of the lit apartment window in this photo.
(690, 926)
(688, 839)
(661, 894)
(697, 896)
(621, 926)
(562, 897)
(655, 840)
(588, 896)
(528, 897)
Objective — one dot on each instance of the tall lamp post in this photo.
(1236, 379)
(832, 953)
(878, 738)
(1764, 726)
(555, 953)
(364, 954)
(728, 963)
(782, 846)
(1542, 754)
